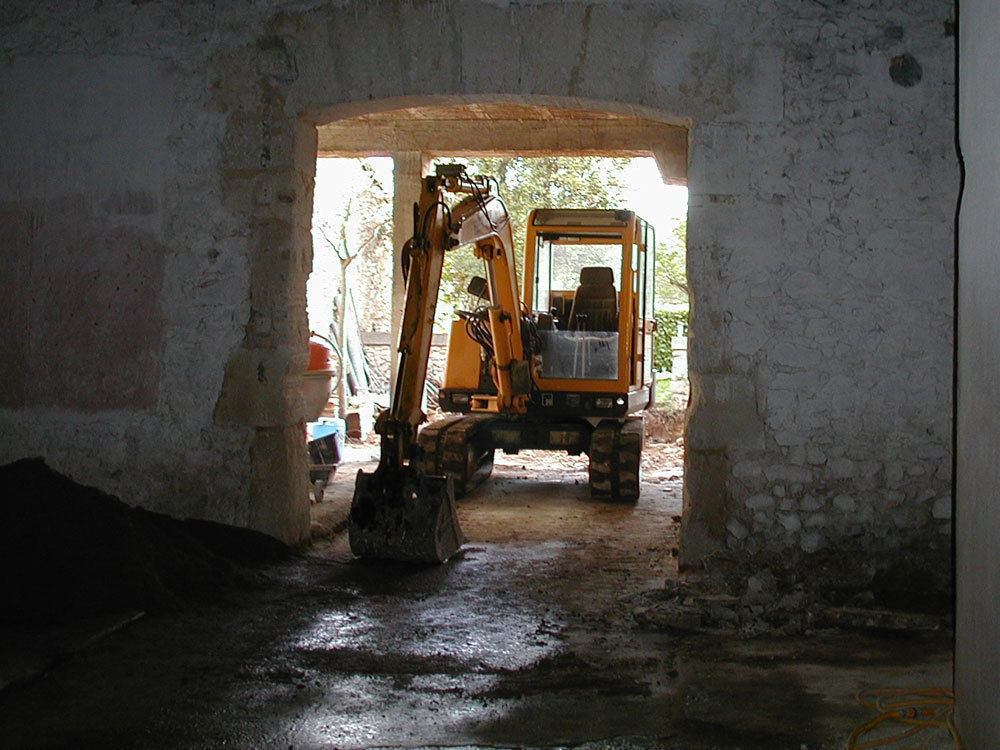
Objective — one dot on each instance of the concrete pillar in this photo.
(977, 528)
(408, 168)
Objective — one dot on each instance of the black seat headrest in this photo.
(597, 276)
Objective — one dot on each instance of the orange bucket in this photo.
(319, 356)
(317, 380)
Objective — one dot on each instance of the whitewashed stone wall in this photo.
(821, 251)
(823, 182)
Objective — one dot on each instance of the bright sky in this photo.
(664, 206)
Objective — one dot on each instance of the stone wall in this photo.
(822, 184)
(122, 298)
(820, 235)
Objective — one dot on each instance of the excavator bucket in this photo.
(404, 515)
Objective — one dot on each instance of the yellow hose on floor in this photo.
(918, 709)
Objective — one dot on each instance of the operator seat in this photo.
(595, 306)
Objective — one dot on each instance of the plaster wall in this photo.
(112, 290)
(977, 654)
(822, 190)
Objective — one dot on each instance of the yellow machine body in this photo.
(574, 359)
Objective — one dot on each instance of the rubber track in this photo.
(629, 464)
(615, 460)
(447, 449)
(430, 439)
(602, 452)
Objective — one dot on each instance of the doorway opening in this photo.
(353, 204)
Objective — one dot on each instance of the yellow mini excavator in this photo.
(563, 364)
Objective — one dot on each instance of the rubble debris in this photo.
(775, 601)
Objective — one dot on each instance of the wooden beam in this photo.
(384, 338)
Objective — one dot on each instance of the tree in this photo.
(353, 216)
(352, 235)
(671, 268)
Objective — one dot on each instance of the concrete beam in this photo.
(408, 168)
(619, 138)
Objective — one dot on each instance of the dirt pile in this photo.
(68, 551)
(664, 425)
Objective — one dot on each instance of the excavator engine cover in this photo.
(403, 515)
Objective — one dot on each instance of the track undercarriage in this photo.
(462, 447)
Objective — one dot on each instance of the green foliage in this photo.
(672, 298)
(671, 271)
(527, 183)
(667, 320)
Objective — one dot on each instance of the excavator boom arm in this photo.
(397, 512)
(481, 219)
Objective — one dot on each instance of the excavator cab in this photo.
(591, 287)
(588, 285)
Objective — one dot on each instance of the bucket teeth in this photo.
(405, 516)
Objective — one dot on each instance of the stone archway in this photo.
(821, 209)
(260, 389)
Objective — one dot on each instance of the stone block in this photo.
(720, 158)
(842, 468)
(725, 413)
(707, 506)
(263, 388)
(280, 471)
(811, 542)
(760, 502)
(737, 529)
(790, 522)
(894, 472)
(818, 519)
(844, 503)
(788, 473)
(815, 456)
(258, 139)
(810, 503)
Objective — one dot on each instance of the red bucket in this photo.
(319, 356)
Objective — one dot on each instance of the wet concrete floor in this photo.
(525, 639)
